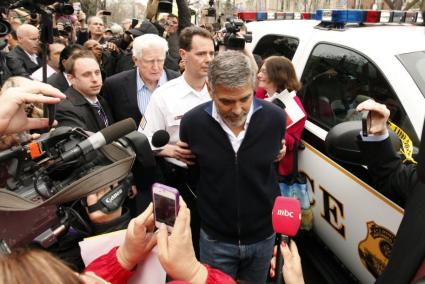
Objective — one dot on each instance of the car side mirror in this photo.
(341, 142)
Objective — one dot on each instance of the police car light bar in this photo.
(337, 18)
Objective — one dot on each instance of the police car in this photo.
(341, 61)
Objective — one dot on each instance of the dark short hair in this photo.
(74, 57)
(186, 35)
(172, 16)
(66, 53)
(281, 72)
(55, 41)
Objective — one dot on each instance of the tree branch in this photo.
(410, 5)
(390, 4)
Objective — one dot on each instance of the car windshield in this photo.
(414, 63)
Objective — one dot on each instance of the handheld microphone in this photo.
(140, 144)
(100, 138)
(286, 220)
(160, 138)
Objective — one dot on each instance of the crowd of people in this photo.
(229, 155)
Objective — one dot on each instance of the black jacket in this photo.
(20, 64)
(120, 91)
(75, 111)
(236, 191)
(391, 176)
(58, 81)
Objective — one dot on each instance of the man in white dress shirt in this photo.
(167, 106)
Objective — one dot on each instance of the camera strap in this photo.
(114, 199)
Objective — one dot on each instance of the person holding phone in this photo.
(390, 176)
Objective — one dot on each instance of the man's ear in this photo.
(182, 54)
(71, 78)
(134, 59)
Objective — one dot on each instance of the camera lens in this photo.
(4, 28)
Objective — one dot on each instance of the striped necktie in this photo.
(101, 113)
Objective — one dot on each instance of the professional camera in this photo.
(232, 40)
(165, 6)
(44, 168)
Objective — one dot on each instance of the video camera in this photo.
(232, 40)
(61, 167)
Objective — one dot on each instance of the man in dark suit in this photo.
(407, 260)
(23, 59)
(128, 93)
(83, 107)
(59, 80)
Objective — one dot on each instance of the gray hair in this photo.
(148, 41)
(231, 69)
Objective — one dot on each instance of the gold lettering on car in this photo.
(333, 212)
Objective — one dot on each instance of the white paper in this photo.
(293, 111)
(149, 272)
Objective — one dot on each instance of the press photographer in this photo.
(236, 35)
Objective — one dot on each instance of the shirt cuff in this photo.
(374, 138)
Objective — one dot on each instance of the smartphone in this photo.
(165, 205)
(106, 13)
(365, 123)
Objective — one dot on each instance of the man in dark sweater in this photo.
(235, 139)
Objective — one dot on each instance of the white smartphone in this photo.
(165, 205)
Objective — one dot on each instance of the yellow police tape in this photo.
(406, 144)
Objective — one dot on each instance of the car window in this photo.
(336, 79)
(414, 63)
(276, 45)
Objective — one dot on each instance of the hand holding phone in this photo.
(166, 205)
(365, 123)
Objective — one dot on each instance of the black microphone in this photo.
(100, 138)
(160, 138)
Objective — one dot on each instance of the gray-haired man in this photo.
(235, 139)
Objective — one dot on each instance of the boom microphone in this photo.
(100, 138)
(286, 220)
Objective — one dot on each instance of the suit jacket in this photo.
(59, 81)
(392, 177)
(20, 64)
(76, 111)
(120, 91)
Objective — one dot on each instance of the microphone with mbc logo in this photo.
(286, 220)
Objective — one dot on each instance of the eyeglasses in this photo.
(153, 61)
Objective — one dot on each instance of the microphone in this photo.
(286, 220)
(100, 138)
(160, 138)
(140, 144)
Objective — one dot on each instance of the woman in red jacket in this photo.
(277, 81)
